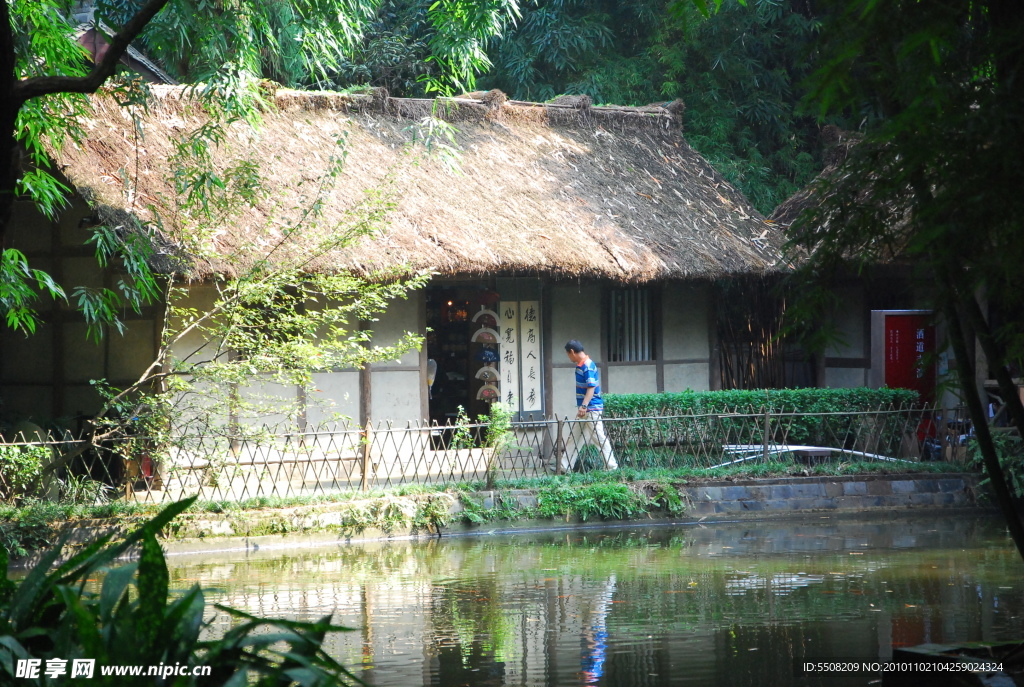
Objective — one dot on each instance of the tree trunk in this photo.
(976, 410)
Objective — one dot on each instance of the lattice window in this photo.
(630, 326)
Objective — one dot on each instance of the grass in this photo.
(618, 494)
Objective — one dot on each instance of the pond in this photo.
(736, 604)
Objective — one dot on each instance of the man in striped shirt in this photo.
(588, 429)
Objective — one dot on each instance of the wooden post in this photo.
(767, 428)
(559, 447)
(365, 462)
(942, 431)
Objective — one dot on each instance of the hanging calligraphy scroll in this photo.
(508, 339)
(531, 370)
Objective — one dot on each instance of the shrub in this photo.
(49, 615)
(699, 423)
(1010, 451)
(612, 501)
(21, 469)
(758, 401)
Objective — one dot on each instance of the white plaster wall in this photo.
(848, 319)
(631, 379)
(575, 314)
(83, 358)
(396, 396)
(844, 377)
(202, 407)
(402, 315)
(685, 321)
(266, 395)
(687, 376)
(201, 299)
(337, 394)
(564, 392)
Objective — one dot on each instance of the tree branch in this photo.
(37, 86)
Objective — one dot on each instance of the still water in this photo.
(720, 604)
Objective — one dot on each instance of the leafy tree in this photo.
(739, 73)
(937, 179)
(393, 52)
(572, 46)
(738, 70)
(223, 47)
(274, 320)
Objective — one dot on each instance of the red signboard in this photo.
(910, 353)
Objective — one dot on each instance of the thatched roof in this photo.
(566, 190)
(855, 209)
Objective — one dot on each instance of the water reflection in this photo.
(737, 604)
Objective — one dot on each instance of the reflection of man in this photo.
(595, 636)
(589, 407)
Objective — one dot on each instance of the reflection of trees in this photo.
(491, 610)
(473, 634)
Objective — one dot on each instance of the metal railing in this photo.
(254, 462)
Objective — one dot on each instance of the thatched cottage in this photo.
(885, 332)
(563, 221)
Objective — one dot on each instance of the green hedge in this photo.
(758, 401)
(695, 427)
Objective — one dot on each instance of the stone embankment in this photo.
(708, 501)
(326, 524)
(847, 493)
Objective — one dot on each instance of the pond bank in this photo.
(557, 505)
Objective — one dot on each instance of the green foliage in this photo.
(672, 429)
(45, 46)
(935, 177)
(82, 489)
(393, 51)
(224, 49)
(1010, 450)
(774, 400)
(608, 500)
(738, 70)
(667, 497)
(21, 470)
(294, 42)
(18, 293)
(499, 436)
(461, 31)
(49, 614)
(462, 434)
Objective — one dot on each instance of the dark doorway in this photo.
(463, 343)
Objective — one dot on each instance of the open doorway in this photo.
(463, 345)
